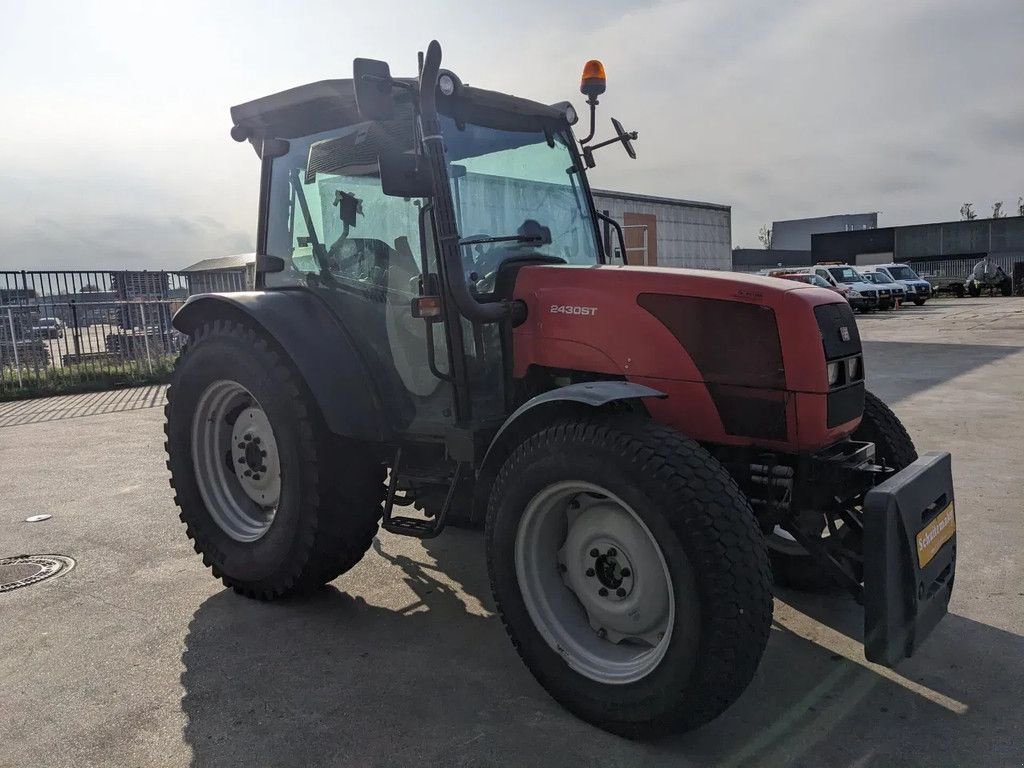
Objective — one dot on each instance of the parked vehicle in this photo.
(918, 290)
(811, 279)
(890, 293)
(48, 328)
(638, 439)
(863, 295)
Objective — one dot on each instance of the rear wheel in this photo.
(958, 290)
(629, 572)
(974, 289)
(1006, 288)
(791, 565)
(271, 501)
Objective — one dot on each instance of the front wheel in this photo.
(919, 302)
(630, 573)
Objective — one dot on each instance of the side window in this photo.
(331, 222)
(823, 274)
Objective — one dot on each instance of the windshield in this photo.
(846, 275)
(818, 281)
(880, 277)
(903, 273)
(514, 183)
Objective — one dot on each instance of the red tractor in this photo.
(437, 324)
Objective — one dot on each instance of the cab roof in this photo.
(328, 104)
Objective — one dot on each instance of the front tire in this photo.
(919, 302)
(273, 503)
(663, 628)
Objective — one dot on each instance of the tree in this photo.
(765, 236)
(997, 209)
(967, 212)
(1020, 206)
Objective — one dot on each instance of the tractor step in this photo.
(411, 526)
(420, 528)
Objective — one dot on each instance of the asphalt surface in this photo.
(139, 657)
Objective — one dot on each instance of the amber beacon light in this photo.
(593, 82)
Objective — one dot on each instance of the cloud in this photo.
(118, 146)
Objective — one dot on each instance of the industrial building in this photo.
(795, 234)
(669, 232)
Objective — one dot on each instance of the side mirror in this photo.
(402, 175)
(625, 138)
(374, 99)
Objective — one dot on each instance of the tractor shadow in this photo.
(421, 672)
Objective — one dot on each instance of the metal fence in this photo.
(73, 330)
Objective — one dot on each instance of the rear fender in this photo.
(316, 343)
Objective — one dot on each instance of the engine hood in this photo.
(611, 317)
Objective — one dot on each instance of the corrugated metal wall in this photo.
(688, 235)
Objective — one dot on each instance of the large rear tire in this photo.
(791, 565)
(629, 572)
(273, 503)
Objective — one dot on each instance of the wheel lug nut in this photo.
(612, 552)
(241, 445)
(256, 477)
(263, 454)
(602, 633)
(602, 592)
(620, 592)
(594, 552)
(248, 473)
(626, 573)
(248, 437)
(241, 460)
(256, 440)
(590, 572)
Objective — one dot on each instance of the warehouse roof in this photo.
(238, 261)
(634, 197)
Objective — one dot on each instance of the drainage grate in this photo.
(23, 570)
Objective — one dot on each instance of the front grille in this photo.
(832, 319)
(869, 294)
(845, 404)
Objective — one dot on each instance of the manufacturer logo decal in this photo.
(844, 333)
(568, 309)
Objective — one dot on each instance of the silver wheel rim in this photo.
(236, 460)
(595, 582)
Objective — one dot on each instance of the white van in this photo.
(918, 289)
(862, 296)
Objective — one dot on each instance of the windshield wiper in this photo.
(502, 239)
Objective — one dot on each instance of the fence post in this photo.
(75, 334)
(145, 335)
(14, 346)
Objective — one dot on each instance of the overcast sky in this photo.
(115, 148)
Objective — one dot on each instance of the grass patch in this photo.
(93, 376)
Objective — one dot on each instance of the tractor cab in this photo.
(407, 210)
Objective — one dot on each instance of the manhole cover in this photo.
(23, 570)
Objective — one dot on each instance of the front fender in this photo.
(543, 409)
(316, 343)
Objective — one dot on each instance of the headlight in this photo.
(852, 368)
(833, 373)
(853, 294)
(446, 84)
